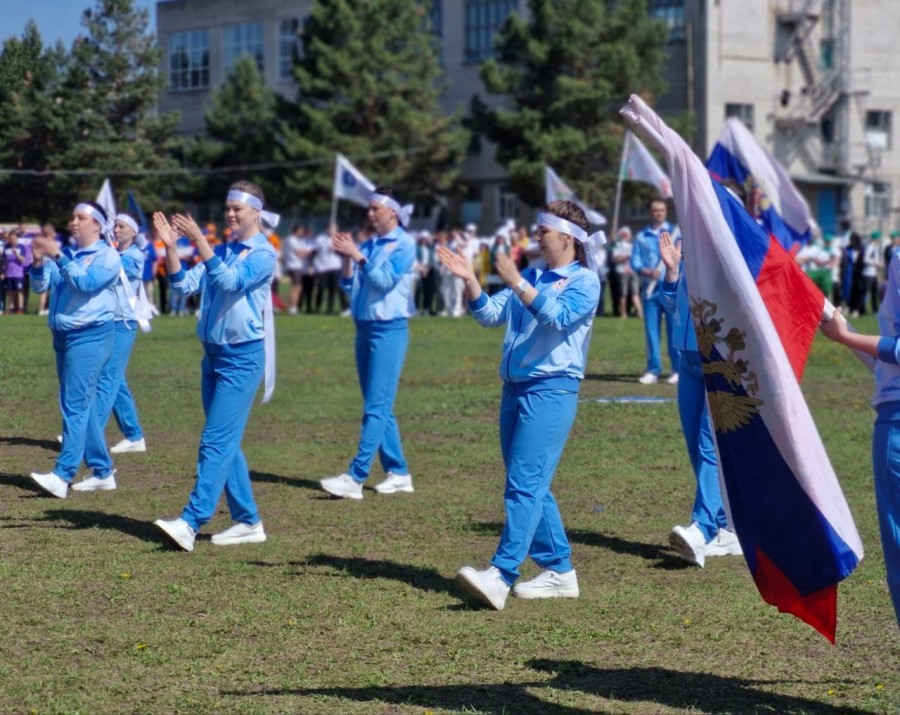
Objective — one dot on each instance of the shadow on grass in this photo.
(22, 482)
(488, 698)
(143, 530)
(50, 444)
(693, 691)
(289, 481)
(424, 579)
(658, 553)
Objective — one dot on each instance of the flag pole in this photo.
(333, 220)
(615, 223)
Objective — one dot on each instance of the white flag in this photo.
(638, 164)
(350, 183)
(555, 189)
(106, 200)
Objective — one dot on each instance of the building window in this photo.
(878, 129)
(189, 60)
(240, 40)
(290, 46)
(826, 54)
(437, 17)
(507, 204)
(484, 19)
(671, 13)
(878, 200)
(744, 112)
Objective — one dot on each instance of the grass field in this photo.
(351, 607)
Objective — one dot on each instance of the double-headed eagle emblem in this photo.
(729, 410)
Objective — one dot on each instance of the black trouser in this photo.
(307, 282)
(330, 281)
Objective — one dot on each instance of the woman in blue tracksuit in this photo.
(378, 275)
(113, 395)
(82, 307)
(708, 533)
(237, 332)
(548, 316)
(885, 348)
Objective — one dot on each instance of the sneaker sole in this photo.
(237, 540)
(473, 590)
(728, 551)
(172, 539)
(127, 450)
(79, 488)
(395, 490)
(341, 495)
(550, 593)
(684, 550)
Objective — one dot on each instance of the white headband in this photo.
(403, 212)
(93, 213)
(106, 224)
(590, 242)
(128, 221)
(269, 219)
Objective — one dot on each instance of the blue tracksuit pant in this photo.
(380, 352)
(708, 512)
(113, 394)
(230, 378)
(81, 355)
(885, 461)
(653, 314)
(534, 426)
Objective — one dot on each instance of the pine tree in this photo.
(564, 73)
(369, 84)
(112, 84)
(32, 119)
(242, 129)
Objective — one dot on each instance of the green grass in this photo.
(351, 607)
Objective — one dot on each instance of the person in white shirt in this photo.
(327, 267)
(298, 250)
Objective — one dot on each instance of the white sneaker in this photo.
(648, 378)
(240, 533)
(343, 486)
(178, 531)
(487, 586)
(51, 483)
(549, 584)
(126, 445)
(395, 483)
(672, 379)
(43, 312)
(690, 543)
(59, 438)
(93, 483)
(725, 544)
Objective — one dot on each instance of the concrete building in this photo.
(201, 38)
(814, 80)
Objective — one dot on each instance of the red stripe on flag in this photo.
(794, 302)
(818, 609)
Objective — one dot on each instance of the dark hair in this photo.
(99, 208)
(248, 187)
(657, 200)
(570, 211)
(388, 191)
(738, 190)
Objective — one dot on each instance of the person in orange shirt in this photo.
(277, 303)
(162, 276)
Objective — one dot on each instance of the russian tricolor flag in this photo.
(776, 202)
(756, 314)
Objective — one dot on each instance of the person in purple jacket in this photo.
(17, 259)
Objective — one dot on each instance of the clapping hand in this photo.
(186, 226)
(456, 263)
(164, 230)
(670, 253)
(507, 270)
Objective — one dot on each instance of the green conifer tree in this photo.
(369, 87)
(563, 74)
